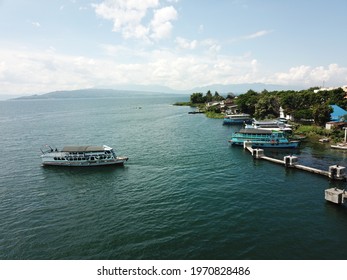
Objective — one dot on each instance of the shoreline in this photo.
(311, 133)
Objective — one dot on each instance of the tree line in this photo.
(304, 104)
(199, 98)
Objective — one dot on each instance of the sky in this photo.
(75, 44)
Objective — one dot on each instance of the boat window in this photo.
(55, 158)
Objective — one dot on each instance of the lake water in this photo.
(183, 194)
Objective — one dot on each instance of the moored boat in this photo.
(272, 125)
(81, 156)
(343, 145)
(340, 146)
(262, 138)
(237, 119)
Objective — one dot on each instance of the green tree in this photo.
(196, 98)
(230, 95)
(303, 114)
(246, 102)
(208, 97)
(268, 104)
(217, 97)
(337, 96)
(321, 113)
(291, 101)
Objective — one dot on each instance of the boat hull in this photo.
(117, 161)
(340, 147)
(236, 121)
(263, 138)
(272, 145)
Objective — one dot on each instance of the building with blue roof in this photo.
(337, 114)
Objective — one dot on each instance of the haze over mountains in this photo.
(135, 90)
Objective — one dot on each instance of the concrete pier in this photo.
(335, 195)
(335, 172)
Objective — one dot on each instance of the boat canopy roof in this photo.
(239, 115)
(255, 131)
(84, 149)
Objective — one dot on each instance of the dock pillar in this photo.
(247, 144)
(335, 195)
(337, 172)
(258, 153)
(290, 161)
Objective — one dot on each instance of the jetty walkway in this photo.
(335, 172)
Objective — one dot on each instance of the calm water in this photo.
(183, 194)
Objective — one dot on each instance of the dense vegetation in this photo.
(305, 104)
(198, 97)
(302, 105)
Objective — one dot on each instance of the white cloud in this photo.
(212, 45)
(258, 34)
(129, 18)
(255, 35)
(29, 72)
(186, 44)
(332, 75)
(161, 23)
(36, 24)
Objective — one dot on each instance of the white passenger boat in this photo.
(81, 156)
(271, 125)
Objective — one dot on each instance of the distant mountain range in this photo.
(137, 90)
(90, 93)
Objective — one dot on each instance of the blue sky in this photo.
(181, 44)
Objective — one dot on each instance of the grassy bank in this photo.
(190, 104)
(214, 115)
(314, 132)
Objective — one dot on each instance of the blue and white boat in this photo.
(262, 138)
(81, 156)
(237, 119)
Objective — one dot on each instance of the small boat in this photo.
(237, 119)
(343, 145)
(340, 146)
(324, 140)
(263, 138)
(81, 156)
